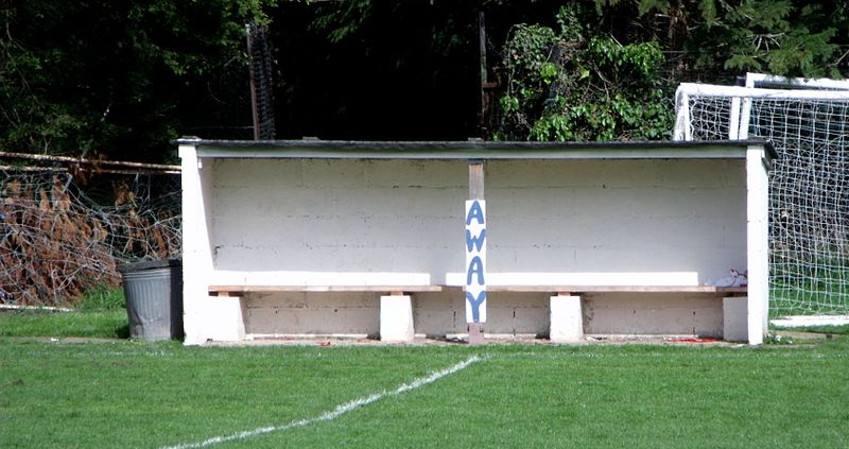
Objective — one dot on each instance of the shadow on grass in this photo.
(123, 331)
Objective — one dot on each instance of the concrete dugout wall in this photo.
(301, 213)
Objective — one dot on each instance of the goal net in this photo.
(808, 123)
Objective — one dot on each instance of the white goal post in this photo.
(808, 123)
(725, 106)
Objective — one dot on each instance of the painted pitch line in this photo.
(333, 414)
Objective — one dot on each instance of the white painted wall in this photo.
(617, 216)
(393, 222)
(339, 216)
(544, 216)
(204, 317)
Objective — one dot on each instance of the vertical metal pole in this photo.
(252, 77)
(484, 80)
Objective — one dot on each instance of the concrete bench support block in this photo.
(567, 319)
(735, 318)
(396, 318)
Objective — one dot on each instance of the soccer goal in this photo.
(808, 123)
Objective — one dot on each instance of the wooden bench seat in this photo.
(396, 314)
(396, 311)
(241, 290)
(566, 312)
(573, 289)
(591, 282)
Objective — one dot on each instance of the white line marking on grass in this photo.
(333, 414)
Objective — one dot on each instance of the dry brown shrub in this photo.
(55, 243)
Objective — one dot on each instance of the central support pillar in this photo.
(475, 246)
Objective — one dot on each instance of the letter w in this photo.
(475, 241)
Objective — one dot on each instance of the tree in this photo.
(609, 71)
(123, 78)
(782, 37)
(572, 84)
(119, 78)
(377, 70)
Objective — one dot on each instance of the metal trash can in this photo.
(154, 294)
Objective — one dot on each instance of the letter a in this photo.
(475, 213)
(475, 267)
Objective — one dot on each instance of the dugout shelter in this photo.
(310, 238)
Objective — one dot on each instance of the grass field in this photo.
(115, 393)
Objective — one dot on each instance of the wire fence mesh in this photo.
(62, 234)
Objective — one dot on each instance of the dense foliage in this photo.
(118, 78)
(782, 37)
(122, 79)
(608, 71)
(567, 85)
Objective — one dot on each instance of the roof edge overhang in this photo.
(473, 149)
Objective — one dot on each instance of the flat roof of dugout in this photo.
(472, 149)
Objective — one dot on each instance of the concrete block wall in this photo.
(653, 314)
(339, 215)
(353, 314)
(617, 216)
(356, 314)
(308, 221)
(544, 216)
(438, 315)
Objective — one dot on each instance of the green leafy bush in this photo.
(564, 86)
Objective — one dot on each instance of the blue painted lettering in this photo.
(475, 267)
(475, 241)
(475, 213)
(476, 305)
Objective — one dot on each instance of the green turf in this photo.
(123, 394)
(100, 314)
(29, 323)
(821, 292)
(118, 393)
(102, 298)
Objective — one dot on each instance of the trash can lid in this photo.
(149, 265)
